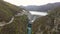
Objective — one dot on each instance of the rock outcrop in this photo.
(49, 24)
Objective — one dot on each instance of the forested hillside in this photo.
(18, 25)
(49, 24)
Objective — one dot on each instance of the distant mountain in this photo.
(44, 8)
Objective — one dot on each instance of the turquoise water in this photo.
(29, 29)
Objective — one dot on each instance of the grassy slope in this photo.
(18, 26)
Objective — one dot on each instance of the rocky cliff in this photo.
(49, 24)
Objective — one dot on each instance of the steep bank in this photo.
(18, 25)
(49, 24)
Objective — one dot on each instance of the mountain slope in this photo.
(19, 24)
(49, 24)
(43, 8)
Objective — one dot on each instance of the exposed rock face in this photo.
(49, 24)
